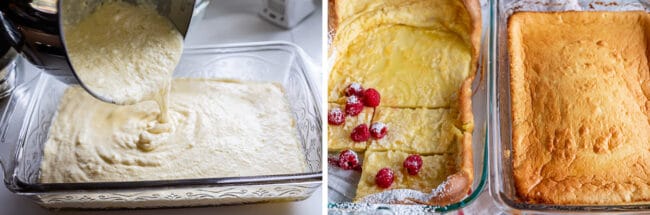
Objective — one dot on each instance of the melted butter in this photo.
(416, 53)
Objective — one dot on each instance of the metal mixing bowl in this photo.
(35, 29)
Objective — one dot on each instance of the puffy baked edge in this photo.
(516, 56)
(457, 185)
(514, 49)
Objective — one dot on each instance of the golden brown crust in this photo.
(454, 189)
(466, 164)
(459, 183)
(579, 85)
(473, 7)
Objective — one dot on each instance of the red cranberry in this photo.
(360, 133)
(353, 106)
(384, 177)
(371, 98)
(348, 159)
(413, 164)
(335, 117)
(354, 89)
(378, 130)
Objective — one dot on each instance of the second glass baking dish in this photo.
(29, 111)
(502, 187)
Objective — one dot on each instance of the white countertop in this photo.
(228, 21)
(225, 21)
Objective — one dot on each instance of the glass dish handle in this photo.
(7, 146)
(14, 107)
(7, 142)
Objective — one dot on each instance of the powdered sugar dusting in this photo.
(353, 100)
(410, 162)
(356, 86)
(404, 196)
(354, 154)
(335, 116)
(396, 196)
(441, 189)
(336, 112)
(377, 127)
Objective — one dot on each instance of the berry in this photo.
(333, 161)
(354, 89)
(413, 164)
(371, 98)
(348, 160)
(360, 133)
(335, 116)
(384, 177)
(353, 106)
(378, 130)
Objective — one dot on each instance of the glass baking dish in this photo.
(502, 188)
(29, 111)
(340, 196)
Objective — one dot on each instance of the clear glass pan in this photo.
(25, 123)
(479, 146)
(502, 186)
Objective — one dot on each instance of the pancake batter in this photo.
(215, 129)
(129, 61)
(195, 128)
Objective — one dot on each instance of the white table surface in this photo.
(225, 21)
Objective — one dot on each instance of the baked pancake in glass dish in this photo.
(579, 92)
(418, 59)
